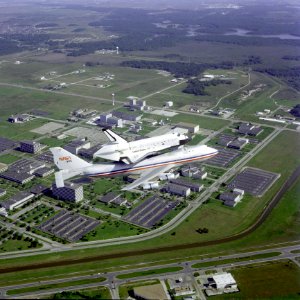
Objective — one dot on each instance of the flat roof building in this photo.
(19, 118)
(43, 172)
(192, 128)
(223, 281)
(249, 129)
(31, 147)
(126, 116)
(17, 200)
(195, 187)
(193, 172)
(17, 176)
(70, 192)
(75, 145)
(238, 143)
(232, 198)
(178, 190)
(2, 192)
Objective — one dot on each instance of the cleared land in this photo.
(270, 280)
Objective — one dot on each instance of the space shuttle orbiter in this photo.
(118, 149)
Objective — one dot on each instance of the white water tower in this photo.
(113, 99)
(117, 49)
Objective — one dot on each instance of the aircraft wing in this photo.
(147, 176)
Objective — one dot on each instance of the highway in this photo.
(112, 282)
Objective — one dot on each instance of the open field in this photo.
(16, 100)
(264, 281)
(150, 272)
(233, 260)
(55, 286)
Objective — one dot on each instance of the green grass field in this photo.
(276, 280)
(233, 260)
(8, 158)
(54, 286)
(149, 272)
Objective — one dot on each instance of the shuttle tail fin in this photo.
(113, 137)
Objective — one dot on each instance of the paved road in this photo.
(113, 282)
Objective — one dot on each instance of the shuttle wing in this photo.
(147, 176)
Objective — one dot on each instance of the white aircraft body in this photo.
(131, 152)
(70, 165)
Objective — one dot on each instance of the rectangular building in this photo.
(192, 128)
(31, 147)
(76, 145)
(195, 187)
(179, 190)
(17, 200)
(249, 129)
(70, 192)
(17, 176)
(126, 116)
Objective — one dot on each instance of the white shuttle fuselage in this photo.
(131, 152)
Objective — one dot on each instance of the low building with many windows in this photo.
(17, 200)
(70, 192)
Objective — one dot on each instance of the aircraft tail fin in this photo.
(113, 137)
(65, 160)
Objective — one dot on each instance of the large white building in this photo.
(224, 280)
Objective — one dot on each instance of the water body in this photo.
(247, 33)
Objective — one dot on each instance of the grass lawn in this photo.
(14, 245)
(112, 229)
(149, 272)
(233, 260)
(203, 122)
(276, 280)
(20, 131)
(102, 186)
(8, 158)
(55, 285)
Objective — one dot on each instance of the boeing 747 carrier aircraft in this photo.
(70, 165)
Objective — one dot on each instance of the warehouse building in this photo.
(249, 129)
(108, 121)
(70, 192)
(193, 172)
(19, 118)
(232, 198)
(17, 200)
(175, 189)
(31, 147)
(17, 176)
(43, 172)
(195, 187)
(76, 145)
(126, 116)
(192, 128)
(2, 192)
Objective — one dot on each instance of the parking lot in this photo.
(150, 212)
(254, 181)
(6, 144)
(69, 226)
(94, 135)
(223, 158)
